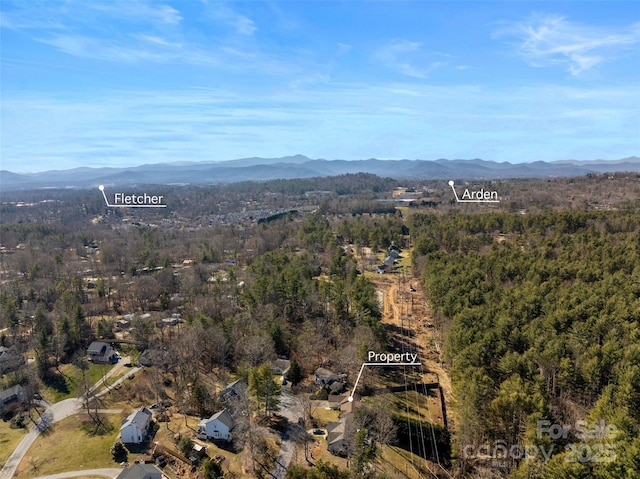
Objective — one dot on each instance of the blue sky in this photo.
(122, 83)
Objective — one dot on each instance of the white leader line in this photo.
(451, 183)
(101, 188)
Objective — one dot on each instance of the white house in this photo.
(134, 429)
(217, 426)
(101, 353)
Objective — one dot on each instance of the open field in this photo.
(69, 382)
(70, 445)
(398, 462)
(9, 439)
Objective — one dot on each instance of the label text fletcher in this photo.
(144, 199)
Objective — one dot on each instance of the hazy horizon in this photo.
(186, 162)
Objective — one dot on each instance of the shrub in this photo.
(119, 452)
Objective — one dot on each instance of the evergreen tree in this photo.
(265, 388)
(294, 374)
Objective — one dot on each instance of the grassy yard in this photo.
(9, 439)
(165, 437)
(414, 405)
(398, 462)
(324, 416)
(318, 451)
(68, 383)
(69, 446)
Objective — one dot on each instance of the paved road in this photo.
(54, 413)
(291, 409)
(111, 473)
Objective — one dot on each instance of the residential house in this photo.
(348, 407)
(100, 352)
(122, 325)
(394, 254)
(324, 376)
(145, 358)
(335, 382)
(10, 360)
(217, 426)
(394, 247)
(135, 428)
(235, 389)
(141, 471)
(389, 262)
(13, 396)
(340, 402)
(168, 322)
(337, 442)
(279, 367)
(335, 400)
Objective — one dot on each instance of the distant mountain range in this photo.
(299, 166)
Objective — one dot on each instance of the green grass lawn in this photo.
(68, 382)
(9, 439)
(70, 445)
(399, 462)
(324, 416)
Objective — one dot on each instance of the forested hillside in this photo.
(536, 301)
(541, 318)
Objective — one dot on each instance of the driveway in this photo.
(54, 413)
(111, 473)
(291, 409)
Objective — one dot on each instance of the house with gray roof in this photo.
(141, 471)
(100, 352)
(337, 442)
(217, 426)
(12, 395)
(10, 360)
(235, 389)
(135, 428)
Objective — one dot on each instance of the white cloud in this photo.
(65, 15)
(400, 55)
(410, 58)
(241, 24)
(127, 49)
(547, 40)
(140, 10)
(343, 48)
(331, 120)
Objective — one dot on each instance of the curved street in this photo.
(54, 413)
(107, 472)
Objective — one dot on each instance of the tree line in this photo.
(541, 318)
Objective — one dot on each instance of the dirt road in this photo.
(407, 310)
